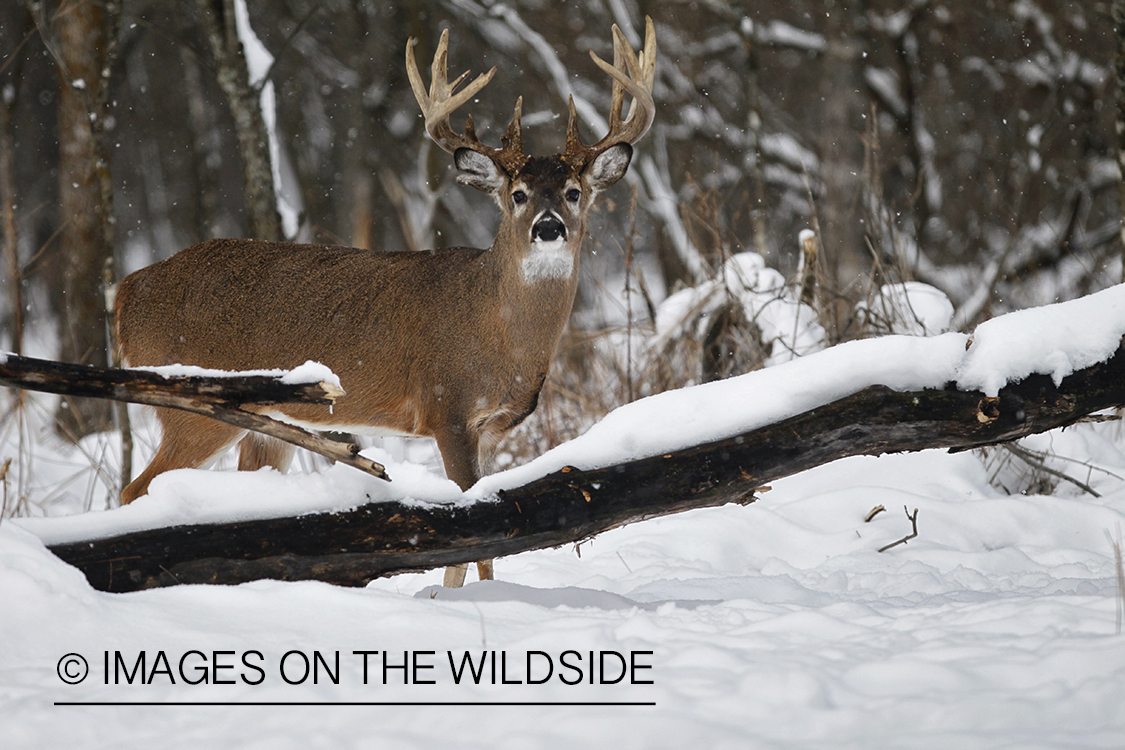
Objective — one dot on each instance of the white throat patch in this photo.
(547, 259)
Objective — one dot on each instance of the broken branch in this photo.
(222, 398)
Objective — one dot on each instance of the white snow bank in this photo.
(777, 625)
(1054, 340)
(200, 496)
(771, 626)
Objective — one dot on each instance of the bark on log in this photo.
(154, 389)
(221, 398)
(377, 539)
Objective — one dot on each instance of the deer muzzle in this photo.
(548, 228)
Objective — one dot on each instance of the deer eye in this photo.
(519, 197)
(573, 195)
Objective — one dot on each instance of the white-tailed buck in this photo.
(453, 344)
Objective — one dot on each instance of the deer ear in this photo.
(478, 171)
(609, 166)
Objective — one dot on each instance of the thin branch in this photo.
(13, 56)
(913, 533)
(1032, 460)
(286, 46)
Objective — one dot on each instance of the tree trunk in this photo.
(10, 38)
(253, 142)
(381, 538)
(1119, 67)
(82, 36)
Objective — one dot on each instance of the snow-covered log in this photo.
(214, 394)
(380, 538)
(169, 386)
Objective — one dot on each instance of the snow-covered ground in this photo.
(777, 625)
(773, 625)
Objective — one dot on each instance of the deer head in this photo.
(544, 201)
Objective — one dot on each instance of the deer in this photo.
(453, 344)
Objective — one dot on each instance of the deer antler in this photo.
(631, 73)
(439, 104)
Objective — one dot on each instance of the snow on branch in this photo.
(217, 394)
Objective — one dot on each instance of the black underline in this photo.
(355, 703)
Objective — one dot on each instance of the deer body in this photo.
(473, 371)
(453, 344)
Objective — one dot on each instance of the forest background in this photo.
(967, 145)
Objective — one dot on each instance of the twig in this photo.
(627, 250)
(873, 512)
(1031, 460)
(1096, 418)
(1116, 544)
(622, 559)
(4, 500)
(286, 46)
(913, 533)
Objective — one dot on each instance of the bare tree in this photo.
(15, 31)
(1119, 67)
(221, 26)
(81, 36)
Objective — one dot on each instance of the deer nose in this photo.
(548, 229)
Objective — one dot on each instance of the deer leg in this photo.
(455, 576)
(257, 450)
(459, 452)
(188, 442)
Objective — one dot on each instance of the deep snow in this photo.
(773, 625)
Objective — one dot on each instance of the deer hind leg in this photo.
(257, 451)
(188, 442)
(459, 452)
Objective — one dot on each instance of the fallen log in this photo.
(223, 398)
(379, 539)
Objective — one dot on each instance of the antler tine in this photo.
(631, 74)
(620, 57)
(638, 83)
(440, 102)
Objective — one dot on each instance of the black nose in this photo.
(548, 228)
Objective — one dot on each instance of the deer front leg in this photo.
(460, 453)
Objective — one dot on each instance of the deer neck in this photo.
(539, 283)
